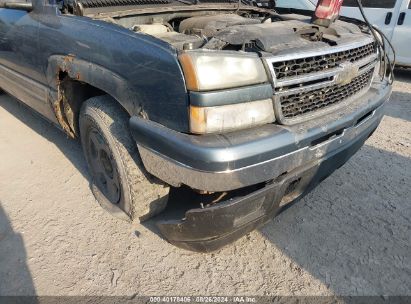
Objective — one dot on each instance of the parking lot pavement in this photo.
(351, 236)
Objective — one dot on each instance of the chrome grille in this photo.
(309, 101)
(308, 83)
(302, 66)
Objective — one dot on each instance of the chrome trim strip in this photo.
(308, 78)
(324, 74)
(326, 83)
(312, 87)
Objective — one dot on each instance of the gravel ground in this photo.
(351, 236)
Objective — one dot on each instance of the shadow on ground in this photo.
(69, 147)
(15, 277)
(349, 233)
(400, 102)
(403, 75)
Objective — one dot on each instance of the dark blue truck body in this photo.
(53, 61)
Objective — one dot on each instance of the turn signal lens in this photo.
(189, 72)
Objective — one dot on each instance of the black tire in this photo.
(120, 182)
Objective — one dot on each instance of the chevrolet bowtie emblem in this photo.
(348, 73)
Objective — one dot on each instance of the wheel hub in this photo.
(103, 167)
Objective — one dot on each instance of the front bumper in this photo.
(217, 163)
(283, 164)
(209, 229)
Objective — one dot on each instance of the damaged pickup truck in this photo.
(247, 107)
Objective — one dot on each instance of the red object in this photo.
(328, 9)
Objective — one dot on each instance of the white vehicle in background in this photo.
(298, 4)
(392, 17)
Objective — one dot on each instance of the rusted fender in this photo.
(96, 76)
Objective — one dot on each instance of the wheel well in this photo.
(71, 95)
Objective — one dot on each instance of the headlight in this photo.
(230, 117)
(206, 71)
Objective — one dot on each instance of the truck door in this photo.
(401, 38)
(20, 72)
(381, 13)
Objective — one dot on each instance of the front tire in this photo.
(120, 182)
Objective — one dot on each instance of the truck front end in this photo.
(277, 103)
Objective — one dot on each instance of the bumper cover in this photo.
(209, 229)
(285, 162)
(218, 163)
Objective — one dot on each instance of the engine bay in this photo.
(239, 31)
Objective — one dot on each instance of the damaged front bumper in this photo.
(285, 163)
(209, 229)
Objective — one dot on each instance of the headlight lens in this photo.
(206, 71)
(231, 117)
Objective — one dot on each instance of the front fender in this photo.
(141, 72)
(96, 76)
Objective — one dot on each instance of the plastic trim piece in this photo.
(232, 96)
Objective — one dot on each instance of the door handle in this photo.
(401, 18)
(388, 18)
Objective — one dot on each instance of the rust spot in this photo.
(69, 58)
(58, 110)
(58, 106)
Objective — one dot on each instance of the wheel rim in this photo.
(103, 167)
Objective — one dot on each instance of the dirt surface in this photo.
(351, 236)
